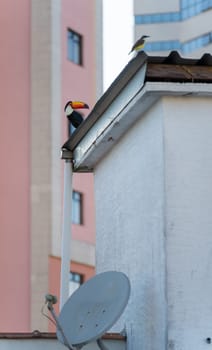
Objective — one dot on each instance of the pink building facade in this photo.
(37, 79)
(15, 170)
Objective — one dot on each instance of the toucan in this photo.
(74, 117)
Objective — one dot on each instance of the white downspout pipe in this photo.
(66, 228)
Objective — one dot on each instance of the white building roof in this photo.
(143, 81)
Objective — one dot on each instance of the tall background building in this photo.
(181, 25)
(48, 56)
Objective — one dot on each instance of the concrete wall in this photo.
(129, 191)
(188, 169)
(154, 203)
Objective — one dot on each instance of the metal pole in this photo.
(66, 231)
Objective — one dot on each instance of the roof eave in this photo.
(123, 112)
(122, 80)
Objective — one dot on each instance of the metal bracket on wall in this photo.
(66, 154)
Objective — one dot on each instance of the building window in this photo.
(75, 280)
(162, 45)
(196, 43)
(185, 47)
(77, 208)
(74, 47)
(157, 18)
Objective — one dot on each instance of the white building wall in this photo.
(153, 211)
(195, 26)
(129, 191)
(188, 160)
(152, 6)
(166, 31)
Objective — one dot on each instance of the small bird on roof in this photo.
(74, 117)
(139, 44)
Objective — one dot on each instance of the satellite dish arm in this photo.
(101, 345)
(51, 299)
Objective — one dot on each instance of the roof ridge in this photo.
(175, 58)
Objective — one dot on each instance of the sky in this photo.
(118, 36)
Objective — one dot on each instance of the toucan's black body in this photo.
(75, 118)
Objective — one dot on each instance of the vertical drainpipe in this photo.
(66, 227)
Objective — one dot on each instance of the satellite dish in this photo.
(93, 308)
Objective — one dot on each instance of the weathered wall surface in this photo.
(129, 190)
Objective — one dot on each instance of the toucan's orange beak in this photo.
(78, 104)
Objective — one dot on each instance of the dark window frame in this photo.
(76, 279)
(74, 47)
(77, 207)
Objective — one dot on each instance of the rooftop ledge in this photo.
(40, 340)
